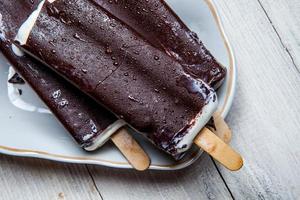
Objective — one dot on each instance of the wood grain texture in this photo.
(29, 179)
(266, 111)
(199, 181)
(284, 15)
(265, 120)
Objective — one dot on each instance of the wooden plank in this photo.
(199, 181)
(266, 111)
(25, 178)
(285, 18)
(265, 122)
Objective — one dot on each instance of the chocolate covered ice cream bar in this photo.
(160, 25)
(90, 124)
(110, 62)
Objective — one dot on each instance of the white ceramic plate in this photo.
(35, 133)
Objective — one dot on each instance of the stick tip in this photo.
(237, 164)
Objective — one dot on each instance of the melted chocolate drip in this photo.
(16, 79)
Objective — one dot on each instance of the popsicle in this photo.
(110, 62)
(90, 124)
(160, 25)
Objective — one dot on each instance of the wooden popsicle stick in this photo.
(131, 150)
(218, 149)
(222, 129)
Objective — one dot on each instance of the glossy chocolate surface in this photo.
(16, 79)
(79, 114)
(110, 62)
(156, 21)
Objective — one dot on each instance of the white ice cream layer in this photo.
(200, 121)
(25, 29)
(105, 135)
(22, 37)
(15, 97)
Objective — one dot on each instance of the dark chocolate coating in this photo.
(79, 114)
(110, 62)
(158, 23)
(16, 79)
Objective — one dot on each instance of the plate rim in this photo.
(230, 93)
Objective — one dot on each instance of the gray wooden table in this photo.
(265, 119)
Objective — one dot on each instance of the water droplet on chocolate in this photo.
(77, 36)
(108, 50)
(56, 94)
(125, 46)
(132, 98)
(63, 103)
(51, 42)
(93, 126)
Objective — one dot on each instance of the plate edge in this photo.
(81, 160)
